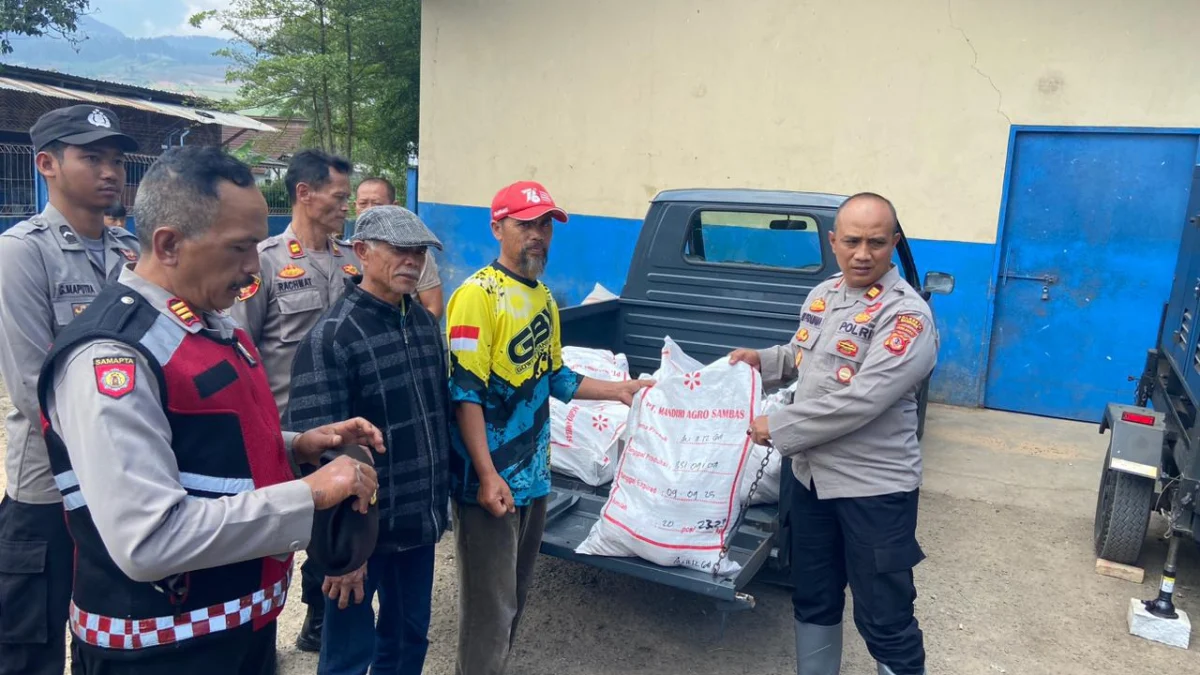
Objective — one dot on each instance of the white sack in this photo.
(585, 435)
(598, 364)
(599, 294)
(675, 495)
(585, 439)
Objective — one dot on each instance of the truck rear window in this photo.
(755, 238)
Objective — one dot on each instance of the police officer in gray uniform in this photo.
(865, 344)
(303, 270)
(51, 267)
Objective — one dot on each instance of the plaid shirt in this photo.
(386, 364)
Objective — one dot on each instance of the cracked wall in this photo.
(609, 101)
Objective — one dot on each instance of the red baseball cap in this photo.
(525, 200)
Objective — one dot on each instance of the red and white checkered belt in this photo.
(113, 633)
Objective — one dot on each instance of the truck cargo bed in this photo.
(574, 507)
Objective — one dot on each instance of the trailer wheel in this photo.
(1123, 509)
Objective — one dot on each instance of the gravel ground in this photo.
(1008, 586)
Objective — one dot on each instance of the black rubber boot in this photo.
(309, 639)
(884, 670)
(818, 649)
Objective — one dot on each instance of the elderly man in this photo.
(166, 446)
(378, 354)
(378, 191)
(304, 269)
(865, 344)
(506, 363)
(51, 267)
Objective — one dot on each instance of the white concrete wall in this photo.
(609, 101)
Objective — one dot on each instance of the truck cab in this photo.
(715, 270)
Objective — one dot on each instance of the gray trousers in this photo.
(496, 558)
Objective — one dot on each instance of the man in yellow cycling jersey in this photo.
(506, 361)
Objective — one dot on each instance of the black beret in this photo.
(342, 538)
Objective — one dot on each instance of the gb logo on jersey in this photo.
(98, 119)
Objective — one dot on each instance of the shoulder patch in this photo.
(115, 375)
(250, 289)
(907, 328)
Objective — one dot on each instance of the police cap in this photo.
(79, 125)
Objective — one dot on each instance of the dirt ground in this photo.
(1008, 586)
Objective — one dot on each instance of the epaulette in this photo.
(25, 227)
(269, 242)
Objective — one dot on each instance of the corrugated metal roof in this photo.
(195, 114)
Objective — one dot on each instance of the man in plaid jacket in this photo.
(379, 353)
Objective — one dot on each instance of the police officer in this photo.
(865, 344)
(303, 271)
(184, 515)
(51, 267)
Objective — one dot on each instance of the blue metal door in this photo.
(1089, 243)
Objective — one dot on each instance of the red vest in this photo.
(226, 438)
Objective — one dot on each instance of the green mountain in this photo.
(174, 63)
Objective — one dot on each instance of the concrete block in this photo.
(1128, 573)
(1174, 632)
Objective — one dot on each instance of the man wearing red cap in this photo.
(506, 362)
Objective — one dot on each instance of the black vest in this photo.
(226, 439)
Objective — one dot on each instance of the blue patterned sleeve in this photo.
(564, 382)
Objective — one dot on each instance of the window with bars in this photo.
(18, 196)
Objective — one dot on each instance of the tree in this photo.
(350, 67)
(37, 17)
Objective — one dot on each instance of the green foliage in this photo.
(349, 67)
(38, 17)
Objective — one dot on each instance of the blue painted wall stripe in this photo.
(591, 249)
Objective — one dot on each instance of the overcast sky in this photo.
(152, 18)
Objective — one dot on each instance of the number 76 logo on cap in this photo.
(532, 196)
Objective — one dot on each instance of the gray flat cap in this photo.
(394, 225)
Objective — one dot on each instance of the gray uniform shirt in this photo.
(429, 274)
(293, 290)
(46, 280)
(121, 456)
(860, 356)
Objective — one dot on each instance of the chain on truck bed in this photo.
(762, 467)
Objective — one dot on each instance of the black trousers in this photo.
(870, 543)
(240, 651)
(37, 566)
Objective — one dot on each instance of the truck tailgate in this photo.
(574, 507)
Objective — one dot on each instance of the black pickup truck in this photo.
(714, 270)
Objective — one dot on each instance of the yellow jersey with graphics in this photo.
(506, 356)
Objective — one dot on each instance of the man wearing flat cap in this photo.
(379, 353)
(51, 268)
